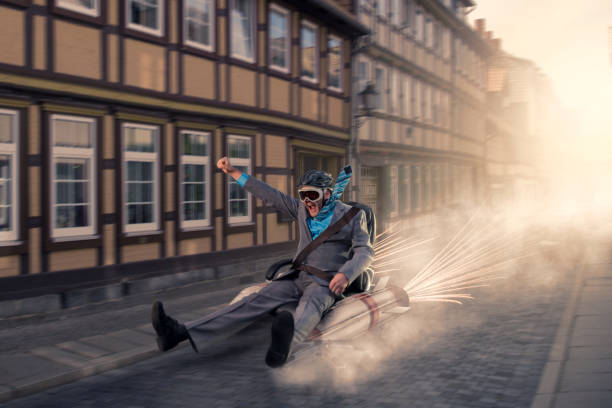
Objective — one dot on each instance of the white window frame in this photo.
(315, 28)
(140, 156)
(253, 33)
(200, 160)
(335, 37)
(12, 149)
(243, 219)
(95, 12)
(159, 32)
(287, 14)
(212, 27)
(74, 153)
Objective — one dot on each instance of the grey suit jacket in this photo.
(333, 255)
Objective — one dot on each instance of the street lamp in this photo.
(367, 101)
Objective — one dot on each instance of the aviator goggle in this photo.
(310, 193)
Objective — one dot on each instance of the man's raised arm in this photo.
(282, 202)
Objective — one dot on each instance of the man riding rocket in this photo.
(334, 249)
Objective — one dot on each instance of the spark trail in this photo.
(479, 253)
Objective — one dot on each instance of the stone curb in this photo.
(551, 375)
(96, 366)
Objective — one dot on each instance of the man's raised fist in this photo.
(224, 165)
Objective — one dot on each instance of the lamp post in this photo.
(367, 101)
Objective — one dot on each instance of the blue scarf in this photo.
(319, 223)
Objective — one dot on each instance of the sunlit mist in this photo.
(569, 43)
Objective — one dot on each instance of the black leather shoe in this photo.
(169, 331)
(282, 334)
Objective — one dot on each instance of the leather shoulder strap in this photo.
(325, 235)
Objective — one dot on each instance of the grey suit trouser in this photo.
(312, 300)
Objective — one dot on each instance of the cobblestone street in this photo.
(489, 352)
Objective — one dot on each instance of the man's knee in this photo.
(321, 298)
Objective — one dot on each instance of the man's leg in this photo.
(315, 300)
(233, 318)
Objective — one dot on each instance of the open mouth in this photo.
(311, 206)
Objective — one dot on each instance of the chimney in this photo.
(480, 25)
(496, 43)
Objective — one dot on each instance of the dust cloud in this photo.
(520, 248)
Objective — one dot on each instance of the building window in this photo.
(393, 191)
(239, 201)
(395, 91)
(89, 7)
(243, 29)
(416, 187)
(309, 51)
(395, 12)
(146, 16)
(404, 185)
(381, 8)
(9, 137)
(425, 174)
(416, 89)
(140, 177)
(407, 97)
(446, 43)
(334, 58)
(363, 74)
(408, 14)
(195, 187)
(199, 24)
(381, 88)
(427, 102)
(429, 33)
(278, 38)
(73, 176)
(419, 26)
(436, 106)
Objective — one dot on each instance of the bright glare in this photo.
(568, 41)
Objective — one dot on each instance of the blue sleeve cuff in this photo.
(242, 179)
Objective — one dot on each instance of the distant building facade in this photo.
(521, 114)
(113, 113)
(423, 149)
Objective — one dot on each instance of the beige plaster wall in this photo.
(140, 252)
(73, 259)
(77, 49)
(241, 240)
(279, 94)
(199, 77)
(145, 65)
(195, 246)
(242, 82)
(9, 265)
(12, 36)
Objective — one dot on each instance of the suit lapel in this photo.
(304, 230)
(338, 213)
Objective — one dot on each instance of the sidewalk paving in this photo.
(579, 369)
(48, 366)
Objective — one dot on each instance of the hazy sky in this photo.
(568, 40)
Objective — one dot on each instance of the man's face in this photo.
(314, 207)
